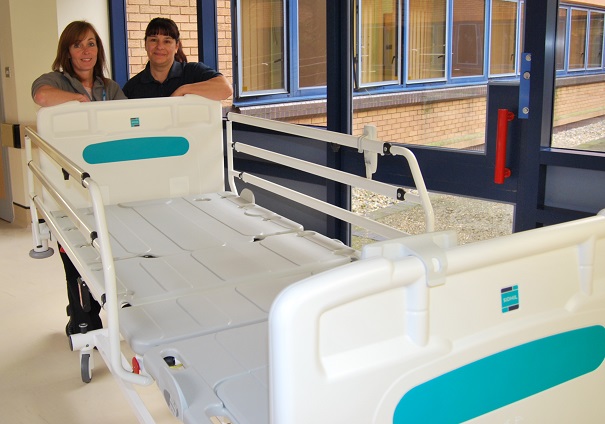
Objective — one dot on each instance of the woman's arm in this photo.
(48, 95)
(217, 88)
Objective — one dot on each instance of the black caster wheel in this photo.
(85, 369)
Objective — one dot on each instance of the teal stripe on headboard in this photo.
(503, 378)
(129, 149)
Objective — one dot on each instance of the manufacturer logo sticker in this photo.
(510, 298)
(134, 122)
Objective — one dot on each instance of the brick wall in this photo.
(454, 124)
(578, 102)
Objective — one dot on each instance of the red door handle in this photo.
(501, 171)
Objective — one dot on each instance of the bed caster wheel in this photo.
(85, 368)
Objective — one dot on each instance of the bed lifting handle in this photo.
(501, 172)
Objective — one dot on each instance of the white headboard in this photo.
(138, 149)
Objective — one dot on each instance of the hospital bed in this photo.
(241, 315)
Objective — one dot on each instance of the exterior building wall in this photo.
(456, 123)
(575, 103)
(453, 124)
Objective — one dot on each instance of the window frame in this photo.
(240, 72)
(469, 78)
(568, 40)
(358, 45)
(292, 92)
(405, 56)
(588, 39)
(515, 71)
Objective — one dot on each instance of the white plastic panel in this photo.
(516, 331)
(73, 127)
(235, 385)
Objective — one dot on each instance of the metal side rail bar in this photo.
(100, 242)
(364, 144)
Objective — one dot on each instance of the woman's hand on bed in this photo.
(217, 88)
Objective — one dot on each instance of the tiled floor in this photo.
(40, 379)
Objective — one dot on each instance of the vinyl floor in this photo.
(40, 380)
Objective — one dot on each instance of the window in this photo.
(377, 42)
(561, 37)
(312, 43)
(577, 39)
(595, 40)
(426, 29)
(261, 47)
(468, 39)
(400, 44)
(503, 37)
(578, 109)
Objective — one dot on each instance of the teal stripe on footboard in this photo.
(503, 378)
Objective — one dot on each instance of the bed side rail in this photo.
(370, 147)
(98, 237)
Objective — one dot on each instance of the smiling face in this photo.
(83, 54)
(161, 49)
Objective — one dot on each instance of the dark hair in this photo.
(73, 33)
(165, 26)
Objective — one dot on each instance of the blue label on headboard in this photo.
(503, 378)
(135, 149)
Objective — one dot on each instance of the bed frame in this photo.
(241, 315)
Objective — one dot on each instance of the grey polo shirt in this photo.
(63, 81)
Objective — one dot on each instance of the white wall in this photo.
(29, 32)
(94, 11)
(28, 44)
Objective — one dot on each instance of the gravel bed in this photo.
(472, 219)
(573, 137)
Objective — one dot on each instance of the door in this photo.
(546, 185)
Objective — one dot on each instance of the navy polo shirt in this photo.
(143, 85)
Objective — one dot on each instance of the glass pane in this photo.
(577, 39)
(561, 37)
(595, 40)
(262, 45)
(312, 42)
(473, 219)
(379, 41)
(504, 30)
(579, 112)
(426, 34)
(468, 41)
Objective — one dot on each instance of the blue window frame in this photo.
(580, 41)
(391, 51)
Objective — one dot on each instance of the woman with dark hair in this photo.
(168, 73)
(78, 70)
(78, 74)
